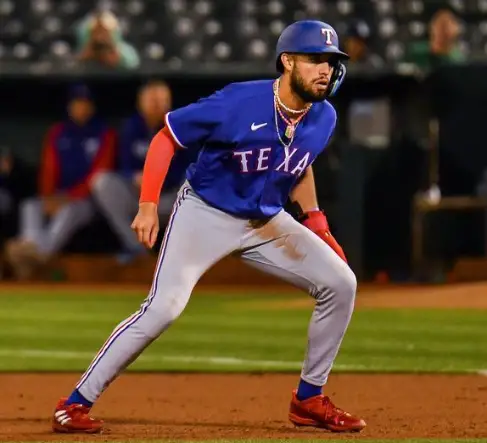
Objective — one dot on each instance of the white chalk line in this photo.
(75, 355)
(213, 360)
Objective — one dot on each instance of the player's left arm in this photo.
(303, 196)
(304, 193)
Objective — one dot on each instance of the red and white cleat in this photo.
(74, 418)
(320, 412)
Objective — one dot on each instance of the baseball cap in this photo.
(359, 29)
(79, 91)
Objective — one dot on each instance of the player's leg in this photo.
(64, 224)
(196, 237)
(40, 240)
(31, 232)
(285, 248)
(117, 201)
(32, 219)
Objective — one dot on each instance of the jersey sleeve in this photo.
(191, 125)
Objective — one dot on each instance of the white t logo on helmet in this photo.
(328, 34)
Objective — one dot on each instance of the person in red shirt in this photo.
(75, 151)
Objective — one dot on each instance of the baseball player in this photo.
(76, 150)
(257, 143)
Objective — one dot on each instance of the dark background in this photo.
(367, 193)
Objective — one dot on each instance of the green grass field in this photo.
(45, 331)
(53, 331)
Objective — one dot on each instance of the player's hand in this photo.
(146, 224)
(317, 222)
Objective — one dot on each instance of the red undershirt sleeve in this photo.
(159, 155)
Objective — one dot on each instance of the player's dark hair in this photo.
(154, 82)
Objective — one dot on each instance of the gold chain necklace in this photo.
(291, 127)
(283, 106)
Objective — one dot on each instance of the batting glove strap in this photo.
(316, 222)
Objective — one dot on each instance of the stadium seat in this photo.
(220, 30)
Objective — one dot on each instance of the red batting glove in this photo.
(316, 221)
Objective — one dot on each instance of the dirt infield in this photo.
(245, 406)
(461, 296)
(159, 406)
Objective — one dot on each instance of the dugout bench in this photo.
(422, 206)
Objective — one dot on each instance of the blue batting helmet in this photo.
(313, 37)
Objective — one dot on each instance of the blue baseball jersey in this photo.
(242, 168)
(75, 150)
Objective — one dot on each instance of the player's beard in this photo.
(305, 93)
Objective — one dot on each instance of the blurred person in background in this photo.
(74, 152)
(357, 45)
(117, 193)
(17, 183)
(442, 46)
(100, 41)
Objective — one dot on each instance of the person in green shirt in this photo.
(100, 41)
(442, 46)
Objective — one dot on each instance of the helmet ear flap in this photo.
(337, 78)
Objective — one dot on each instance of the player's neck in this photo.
(290, 99)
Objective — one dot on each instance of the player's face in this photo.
(355, 47)
(155, 101)
(310, 76)
(100, 33)
(81, 110)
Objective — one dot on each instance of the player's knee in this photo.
(162, 313)
(342, 283)
(30, 207)
(31, 203)
(346, 287)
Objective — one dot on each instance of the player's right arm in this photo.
(159, 155)
(186, 128)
